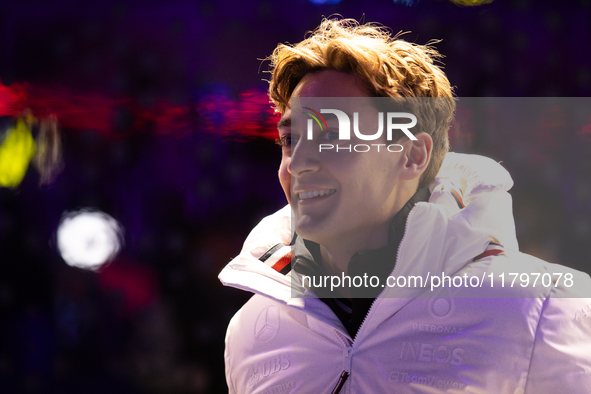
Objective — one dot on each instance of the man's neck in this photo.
(336, 256)
(335, 259)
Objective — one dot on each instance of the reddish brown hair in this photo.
(385, 64)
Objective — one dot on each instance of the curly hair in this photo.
(386, 65)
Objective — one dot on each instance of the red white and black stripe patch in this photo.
(493, 249)
(458, 198)
(279, 258)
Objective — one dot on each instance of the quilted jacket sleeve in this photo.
(561, 358)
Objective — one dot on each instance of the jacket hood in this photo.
(483, 186)
(469, 208)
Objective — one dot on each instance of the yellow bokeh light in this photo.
(471, 2)
(16, 151)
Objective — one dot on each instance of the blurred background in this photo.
(167, 161)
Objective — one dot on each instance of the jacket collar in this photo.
(373, 262)
(439, 236)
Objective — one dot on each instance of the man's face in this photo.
(337, 195)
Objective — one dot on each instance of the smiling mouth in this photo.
(315, 193)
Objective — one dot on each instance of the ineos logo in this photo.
(267, 324)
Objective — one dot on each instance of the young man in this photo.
(398, 209)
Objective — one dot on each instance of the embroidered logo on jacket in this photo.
(427, 380)
(442, 305)
(431, 353)
(267, 324)
(583, 312)
(268, 367)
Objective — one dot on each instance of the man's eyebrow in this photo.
(285, 122)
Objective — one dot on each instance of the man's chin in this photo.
(313, 228)
(307, 226)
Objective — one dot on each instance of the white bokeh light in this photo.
(88, 239)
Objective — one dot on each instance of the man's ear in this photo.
(417, 155)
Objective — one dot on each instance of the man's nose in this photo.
(304, 158)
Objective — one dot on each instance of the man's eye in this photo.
(331, 135)
(285, 141)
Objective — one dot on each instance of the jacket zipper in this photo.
(340, 383)
(347, 353)
(397, 259)
(345, 374)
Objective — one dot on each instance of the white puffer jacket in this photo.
(504, 338)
